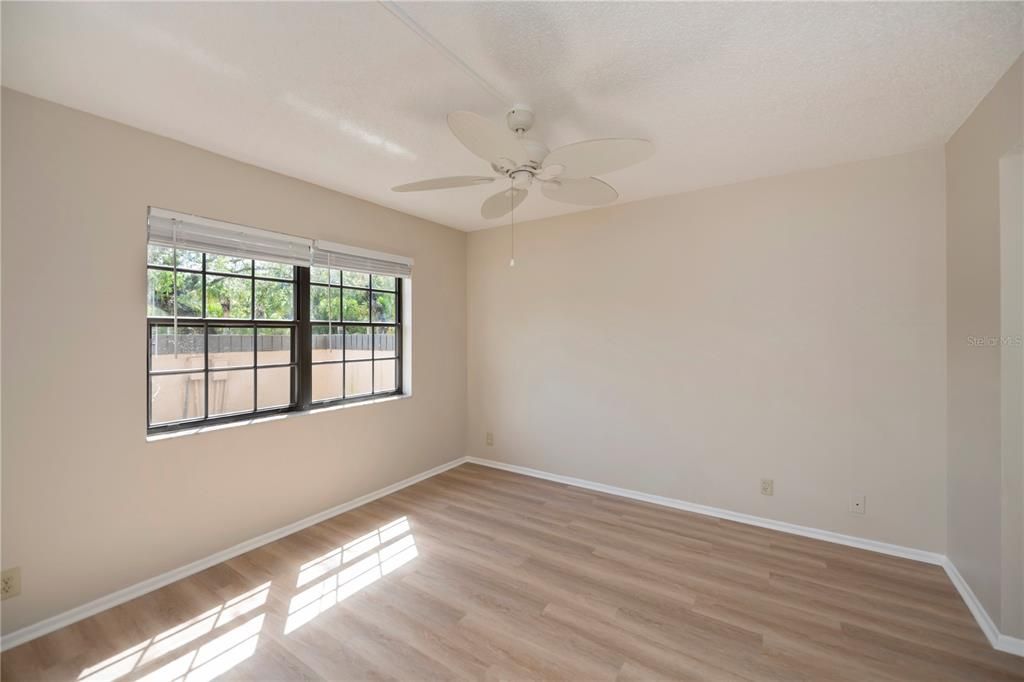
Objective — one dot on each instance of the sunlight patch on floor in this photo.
(124, 662)
(230, 632)
(394, 544)
(213, 658)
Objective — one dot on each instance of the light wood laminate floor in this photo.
(483, 574)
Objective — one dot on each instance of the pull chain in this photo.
(512, 201)
(330, 311)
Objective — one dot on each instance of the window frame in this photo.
(370, 324)
(301, 361)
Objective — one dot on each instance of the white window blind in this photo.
(331, 254)
(169, 228)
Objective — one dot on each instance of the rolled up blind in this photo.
(331, 254)
(169, 228)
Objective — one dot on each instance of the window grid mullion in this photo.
(206, 351)
(303, 343)
(373, 339)
(255, 340)
(149, 374)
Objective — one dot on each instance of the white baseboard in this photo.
(78, 613)
(749, 519)
(1012, 645)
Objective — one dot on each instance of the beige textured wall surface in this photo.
(1011, 361)
(791, 328)
(976, 495)
(89, 506)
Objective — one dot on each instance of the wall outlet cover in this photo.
(767, 486)
(10, 583)
(858, 504)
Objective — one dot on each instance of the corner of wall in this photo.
(985, 526)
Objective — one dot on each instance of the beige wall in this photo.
(984, 510)
(1011, 275)
(89, 506)
(792, 328)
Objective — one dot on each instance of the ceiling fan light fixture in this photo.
(521, 179)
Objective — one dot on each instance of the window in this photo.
(233, 349)
(230, 336)
(355, 334)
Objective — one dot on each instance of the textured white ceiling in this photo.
(347, 96)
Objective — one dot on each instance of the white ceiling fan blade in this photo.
(502, 203)
(550, 172)
(597, 157)
(444, 183)
(487, 140)
(585, 192)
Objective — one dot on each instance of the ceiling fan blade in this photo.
(444, 183)
(487, 140)
(550, 172)
(597, 157)
(502, 203)
(585, 192)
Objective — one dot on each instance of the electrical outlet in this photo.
(490, 438)
(767, 486)
(858, 504)
(10, 583)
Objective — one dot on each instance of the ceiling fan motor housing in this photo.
(520, 120)
(536, 150)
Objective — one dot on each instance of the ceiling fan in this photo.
(566, 174)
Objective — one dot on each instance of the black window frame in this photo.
(301, 362)
(370, 324)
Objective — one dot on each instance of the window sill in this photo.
(152, 438)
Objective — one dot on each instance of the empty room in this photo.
(512, 341)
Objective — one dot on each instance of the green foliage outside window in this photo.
(231, 297)
(161, 294)
(227, 297)
(350, 304)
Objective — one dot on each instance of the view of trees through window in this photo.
(354, 322)
(238, 339)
